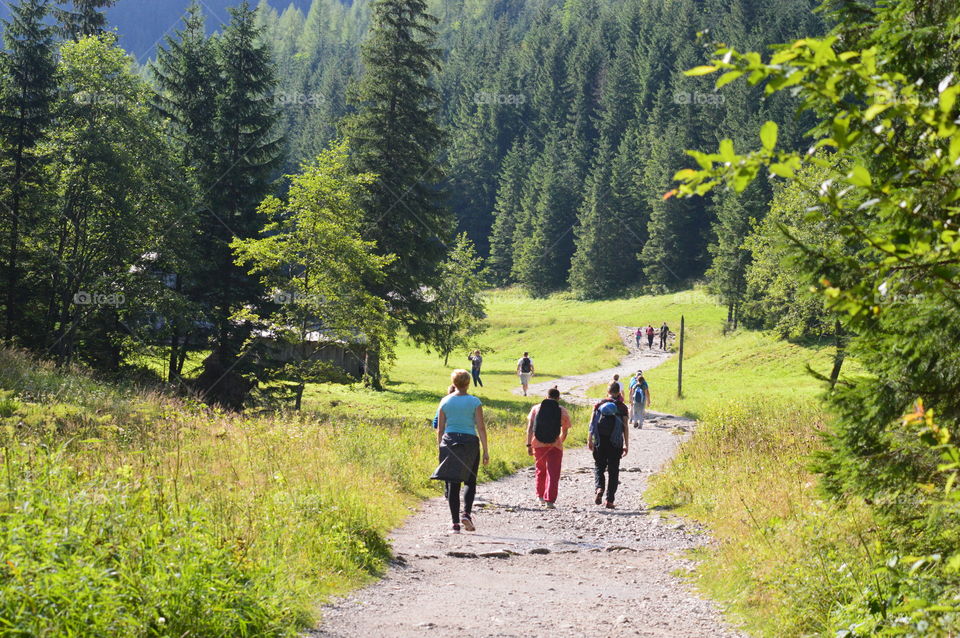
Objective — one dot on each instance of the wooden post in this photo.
(680, 362)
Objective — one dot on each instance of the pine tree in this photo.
(670, 254)
(86, 18)
(187, 78)
(26, 96)
(247, 153)
(543, 243)
(596, 270)
(727, 275)
(630, 201)
(395, 135)
(506, 211)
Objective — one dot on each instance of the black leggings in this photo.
(453, 499)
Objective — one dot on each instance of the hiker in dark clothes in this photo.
(609, 441)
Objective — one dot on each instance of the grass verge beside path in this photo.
(785, 560)
(182, 521)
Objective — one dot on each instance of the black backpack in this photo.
(525, 365)
(547, 426)
(607, 423)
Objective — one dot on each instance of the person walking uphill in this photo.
(664, 333)
(650, 333)
(462, 441)
(609, 442)
(639, 399)
(525, 371)
(476, 360)
(547, 427)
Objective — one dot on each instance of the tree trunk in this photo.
(298, 396)
(841, 353)
(13, 266)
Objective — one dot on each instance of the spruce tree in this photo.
(26, 96)
(84, 18)
(395, 135)
(506, 212)
(596, 270)
(248, 149)
(543, 243)
(187, 78)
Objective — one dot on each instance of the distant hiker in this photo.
(547, 427)
(616, 382)
(609, 441)
(639, 336)
(436, 417)
(664, 333)
(525, 371)
(650, 333)
(475, 362)
(639, 399)
(461, 437)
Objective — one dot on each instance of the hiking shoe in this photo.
(467, 523)
(599, 498)
(454, 529)
(550, 505)
(540, 498)
(610, 505)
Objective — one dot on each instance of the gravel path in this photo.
(577, 571)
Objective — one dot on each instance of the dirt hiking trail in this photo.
(579, 571)
(574, 388)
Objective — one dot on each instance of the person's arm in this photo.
(626, 441)
(482, 433)
(646, 394)
(441, 426)
(530, 419)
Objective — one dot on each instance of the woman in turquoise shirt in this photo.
(461, 436)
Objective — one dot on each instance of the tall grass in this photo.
(785, 560)
(130, 514)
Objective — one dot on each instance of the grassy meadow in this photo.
(180, 520)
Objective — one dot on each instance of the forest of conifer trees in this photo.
(567, 120)
(538, 136)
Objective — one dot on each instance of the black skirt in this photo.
(459, 458)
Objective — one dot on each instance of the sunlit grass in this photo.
(784, 559)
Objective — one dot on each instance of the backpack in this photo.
(649, 330)
(525, 365)
(547, 426)
(607, 423)
(638, 394)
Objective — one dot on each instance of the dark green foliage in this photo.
(82, 18)
(26, 95)
(516, 73)
(598, 268)
(888, 271)
(116, 199)
(395, 135)
(543, 236)
(246, 151)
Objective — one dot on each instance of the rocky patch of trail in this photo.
(577, 571)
